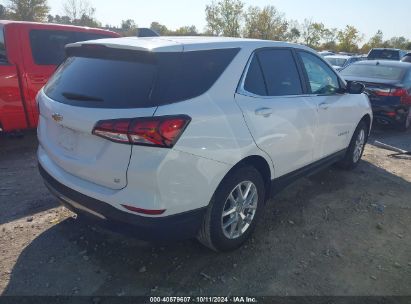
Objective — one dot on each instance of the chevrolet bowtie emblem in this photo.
(57, 117)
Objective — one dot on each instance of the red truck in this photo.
(29, 54)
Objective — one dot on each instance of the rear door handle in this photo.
(324, 106)
(266, 112)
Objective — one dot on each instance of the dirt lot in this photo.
(335, 233)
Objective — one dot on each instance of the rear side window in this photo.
(254, 82)
(109, 78)
(384, 54)
(280, 72)
(3, 55)
(48, 46)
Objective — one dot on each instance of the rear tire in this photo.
(406, 124)
(238, 200)
(356, 148)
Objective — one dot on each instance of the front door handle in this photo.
(324, 106)
(266, 112)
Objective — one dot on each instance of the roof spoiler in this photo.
(146, 32)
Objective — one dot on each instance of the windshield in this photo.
(109, 78)
(374, 71)
(340, 62)
(384, 54)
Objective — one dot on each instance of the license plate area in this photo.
(67, 139)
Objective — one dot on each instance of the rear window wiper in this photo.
(81, 97)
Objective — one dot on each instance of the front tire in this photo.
(356, 148)
(234, 210)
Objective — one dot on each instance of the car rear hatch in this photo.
(94, 84)
(100, 105)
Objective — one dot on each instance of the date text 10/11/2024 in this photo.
(203, 300)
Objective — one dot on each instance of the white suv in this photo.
(173, 138)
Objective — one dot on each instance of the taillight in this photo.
(161, 131)
(405, 97)
(403, 93)
(114, 130)
(382, 92)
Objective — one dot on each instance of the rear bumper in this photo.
(174, 227)
(384, 114)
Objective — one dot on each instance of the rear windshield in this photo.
(374, 71)
(133, 79)
(384, 54)
(3, 55)
(48, 46)
(336, 61)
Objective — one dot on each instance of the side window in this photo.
(83, 36)
(322, 79)
(280, 72)
(48, 46)
(254, 82)
(3, 55)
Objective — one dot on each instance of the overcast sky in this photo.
(367, 15)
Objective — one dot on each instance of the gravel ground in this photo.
(334, 233)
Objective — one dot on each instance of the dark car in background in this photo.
(386, 54)
(388, 85)
(340, 62)
(406, 58)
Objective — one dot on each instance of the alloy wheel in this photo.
(359, 146)
(239, 210)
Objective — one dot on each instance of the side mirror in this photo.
(354, 87)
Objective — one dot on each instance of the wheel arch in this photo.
(262, 166)
(367, 119)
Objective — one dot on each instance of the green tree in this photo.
(224, 18)
(129, 24)
(398, 42)
(87, 20)
(348, 39)
(185, 31)
(294, 32)
(59, 19)
(377, 40)
(162, 30)
(312, 33)
(128, 27)
(329, 39)
(3, 12)
(28, 10)
(266, 23)
(80, 12)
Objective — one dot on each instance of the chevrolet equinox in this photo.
(180, 137)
